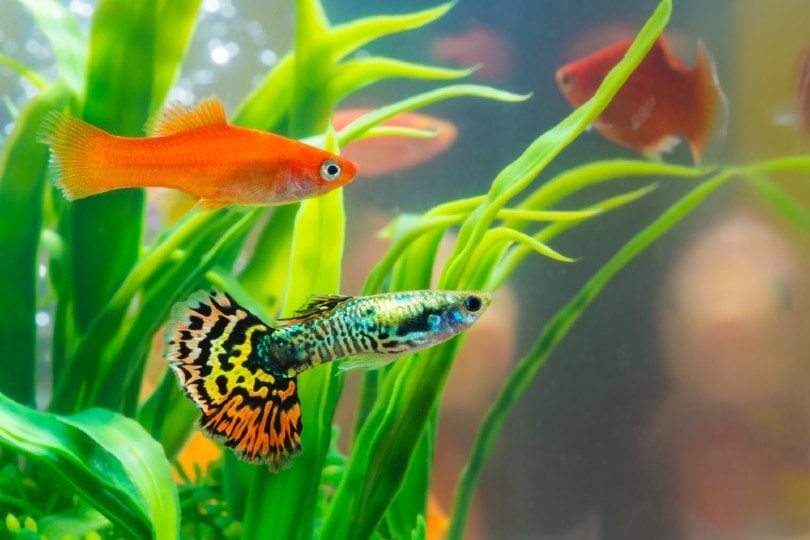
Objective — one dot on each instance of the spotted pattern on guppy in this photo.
(241, 373)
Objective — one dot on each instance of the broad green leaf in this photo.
(265, 273)
(143, 461)
(81, 521)
(130, 67)
(108, 459)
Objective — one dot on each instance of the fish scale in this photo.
(242, 373)
(360, 326)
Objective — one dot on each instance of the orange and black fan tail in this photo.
(217, 350)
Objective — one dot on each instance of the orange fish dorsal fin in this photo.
(178, 117)
(316, 305)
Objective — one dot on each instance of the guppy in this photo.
(242, 373)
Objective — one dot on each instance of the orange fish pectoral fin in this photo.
(210, 205)
(214, 347)
(75, 150)
(709, 108)
(178, 117)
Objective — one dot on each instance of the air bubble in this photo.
(42, 318)
(220, 55)
(80, 8)
(268, 57)
(211, 6)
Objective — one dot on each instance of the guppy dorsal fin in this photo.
(316, 305)
(178, 117)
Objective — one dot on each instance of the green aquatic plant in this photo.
(98, 459)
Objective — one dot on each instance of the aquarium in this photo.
(332, 269)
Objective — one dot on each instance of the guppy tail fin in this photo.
(76, 150)
(215, 348)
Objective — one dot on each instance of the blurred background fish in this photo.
(481, 46)
(732, 428)
(378, 156)
(661, 101)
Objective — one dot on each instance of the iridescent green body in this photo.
(371, 329)
(242, 373)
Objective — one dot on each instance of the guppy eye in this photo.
(330, 170)
(473, 303)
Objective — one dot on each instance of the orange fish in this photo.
(478, 45)
(661, 101)
(382, 155)
(196, 151)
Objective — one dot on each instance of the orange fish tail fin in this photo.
(708, 109)
(76, 149)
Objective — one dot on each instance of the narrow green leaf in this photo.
(508, 262)
(783, 202)
(357, 128)
(67, 41)
(176, 22)
(348, 37)
(358, 73)
(265, 273)
(268, 103)
(518, 175)
(577, 178)
(553, 334)
(317, 249)
(23, 169)
(23, 71)
(388, 436)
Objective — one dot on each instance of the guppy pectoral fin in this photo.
(366, 362)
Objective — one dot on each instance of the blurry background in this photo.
(679, 406)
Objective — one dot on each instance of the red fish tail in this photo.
(76, 150)
(708, 108)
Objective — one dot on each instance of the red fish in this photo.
(386, 154)
(481, 46)
(196, 151)
(661, 101)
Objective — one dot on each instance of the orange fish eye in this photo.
(330, 170)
